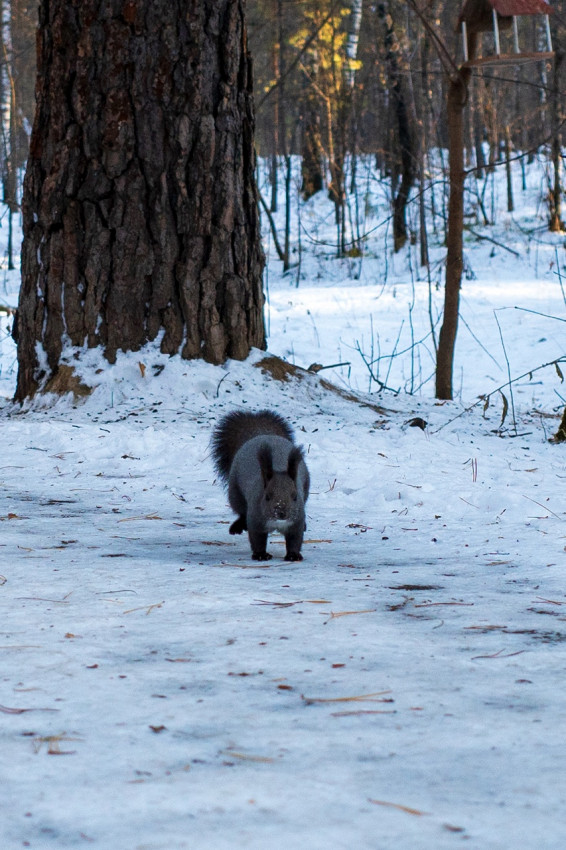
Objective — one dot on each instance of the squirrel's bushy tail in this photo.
(237, 428)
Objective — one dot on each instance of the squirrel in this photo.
(267, 478)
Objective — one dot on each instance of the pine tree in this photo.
(139, 209)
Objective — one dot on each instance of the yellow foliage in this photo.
(327, 51)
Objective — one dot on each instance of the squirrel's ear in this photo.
(265, 459)
(295, 457)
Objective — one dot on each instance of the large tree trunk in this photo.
(139, 207)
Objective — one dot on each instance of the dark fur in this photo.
(268, 481)
(237, 428)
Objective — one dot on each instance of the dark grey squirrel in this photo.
(267, 477)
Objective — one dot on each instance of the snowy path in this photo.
(399, 688)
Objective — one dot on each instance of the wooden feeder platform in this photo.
(508, 59)
(479, 16)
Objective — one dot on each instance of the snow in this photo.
(401, 687)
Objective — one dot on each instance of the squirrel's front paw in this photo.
(238, 526)
(261, 556)
(293, 556)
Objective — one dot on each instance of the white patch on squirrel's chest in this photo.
(281, 525)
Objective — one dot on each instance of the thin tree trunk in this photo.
(556, 225)
(422, 92)
(8, 121)
(287, 237)
(405, 136)
(456, 102)
(344, 111)
(273, 179)
(283, 142)
(312, 167)
(508, 173)
(478, 124)
(139, 208)
(273, 170)
(422, 208)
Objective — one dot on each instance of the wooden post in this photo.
(496, 33)
(515, 35)
(548, 35)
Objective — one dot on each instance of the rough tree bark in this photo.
(139, 207)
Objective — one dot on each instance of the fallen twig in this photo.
(493, 241)
(246, 757)
(5, 710)
(431, 604)
(499, 654)
(484, 399)
(335, 614)
(407, 809)
(362, 711)
(147, 608)
(132, 518)
(534, 501)
(376, 697)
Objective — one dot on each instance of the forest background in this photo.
(334, 82)
(337, 79)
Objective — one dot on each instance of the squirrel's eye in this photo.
(267, 497)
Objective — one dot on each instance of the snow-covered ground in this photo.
(402, 686)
